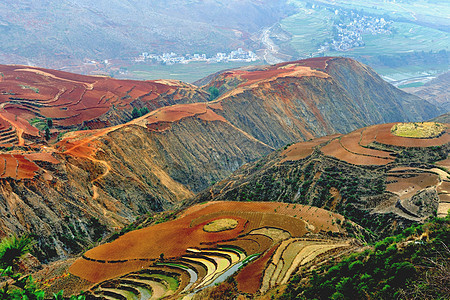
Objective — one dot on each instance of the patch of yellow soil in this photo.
(220, 225)
(418, 129)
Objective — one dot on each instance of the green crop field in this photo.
(187, 73)
(309, 29)
(409, 37)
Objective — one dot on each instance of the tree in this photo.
(135, 113)
(213, 93)
(144, 111)
(49, 122)
(47, 133)
(13, 248)
(18, 286)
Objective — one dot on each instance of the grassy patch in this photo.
(173, 283)
(27, 87)
(410, 85)
(418, 130)
(220, 225)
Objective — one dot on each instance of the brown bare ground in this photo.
(249, 278)
(407, 187)
(302, 150)
(335, 149)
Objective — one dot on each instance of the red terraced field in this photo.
(407, 187)
(352, 147)
(26, 168)
(444, 163)
(304, 149)
(177, 112)
(22, 166)
(174, 237)
(71, 99)
(351, 143)
(382, 134)
(10, 166)
(97, 271)
(249, 278)
(335, 149)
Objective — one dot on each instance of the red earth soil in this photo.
(335, 149)
(71, 99)
(22, 166)
(351, 143)
(407, 187)
(302, 150)
(174, 237)
(382, 134)
(249, 278)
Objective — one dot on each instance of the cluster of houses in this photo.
(173, 58)
(348, 35)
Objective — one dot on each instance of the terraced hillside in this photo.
(376, 178)
(99, 179)
(179, 257)
(75, 101)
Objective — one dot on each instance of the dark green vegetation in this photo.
(410, 265)
(213, 93)
(136, 113)
(18, 286)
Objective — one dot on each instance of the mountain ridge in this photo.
(94, 181)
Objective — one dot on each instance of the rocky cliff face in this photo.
(297, 101)
(72, 190)
(101, 180)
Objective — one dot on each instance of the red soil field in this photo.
(351, 143)
(335, 149)
(249, 278)
(382, 134)
(97, 272)
(302, 150)
(22, 166)
(407, 187)
(71, 99)
(444, 163)
(174, 237)
(177, 112)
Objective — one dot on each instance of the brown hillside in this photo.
(378, 179)
(97, 180)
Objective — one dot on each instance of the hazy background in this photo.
(405, 41)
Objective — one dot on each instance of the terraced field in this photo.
(72, 100)
(180, 256)
(23, 166)
(358, 146)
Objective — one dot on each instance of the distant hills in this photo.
(64, 33)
